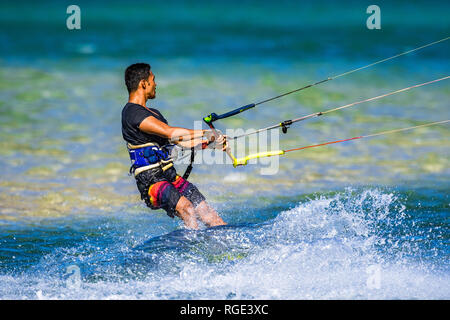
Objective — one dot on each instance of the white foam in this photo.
(325, 248)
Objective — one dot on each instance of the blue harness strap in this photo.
(150, 154)
(147, 155)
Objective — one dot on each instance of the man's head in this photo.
(139, 77)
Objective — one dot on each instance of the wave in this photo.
(356, 244)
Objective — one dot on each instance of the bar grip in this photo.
(213, 116)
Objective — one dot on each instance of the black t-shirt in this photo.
(132, 116)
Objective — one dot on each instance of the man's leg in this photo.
(185, 210)
(197, 202)
(163, 195)
(208, 215)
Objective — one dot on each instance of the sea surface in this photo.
(366, 219)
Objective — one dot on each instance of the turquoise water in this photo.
(316, 229)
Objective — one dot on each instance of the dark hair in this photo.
(134, 74)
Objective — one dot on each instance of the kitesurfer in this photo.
(148, 136)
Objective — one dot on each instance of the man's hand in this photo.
(216, 143)
(221, 142)
(209, 135)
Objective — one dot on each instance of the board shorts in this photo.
(163, 189)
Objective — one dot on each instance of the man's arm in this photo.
(185, 137)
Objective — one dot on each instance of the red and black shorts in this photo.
(163, 190)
